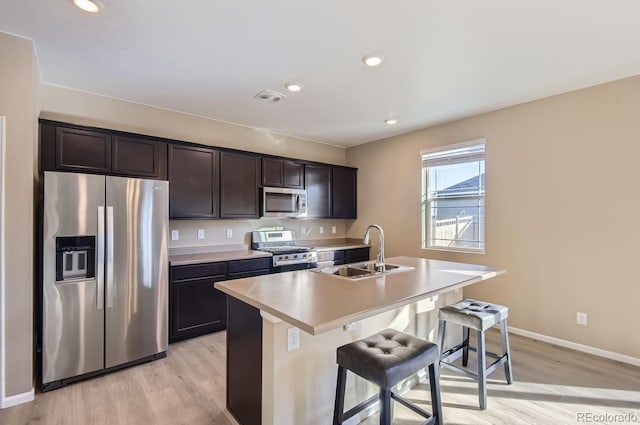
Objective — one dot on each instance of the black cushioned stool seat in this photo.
(480, 316)
(385, 359)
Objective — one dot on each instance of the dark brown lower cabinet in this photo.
(244, 362)
(239, 269)
(347, 256)
(195, 306)
(356, 255)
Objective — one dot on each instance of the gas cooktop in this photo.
(281, 243)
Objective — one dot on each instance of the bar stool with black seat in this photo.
(385, 359)
(480, 316)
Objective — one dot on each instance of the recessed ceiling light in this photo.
(372, 60)
(391, 121)
(294, 87)
(92, 6)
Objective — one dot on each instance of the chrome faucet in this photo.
(379, 264)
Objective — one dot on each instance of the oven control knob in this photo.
(286, 257)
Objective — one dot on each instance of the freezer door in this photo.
(72, 311)
(136, 300)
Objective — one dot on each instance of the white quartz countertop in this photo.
(333, 244)
(318, 302)
(210, 257)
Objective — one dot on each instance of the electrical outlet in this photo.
(321, 230)
(333, 229)
(200, 233)
(581, 318)
(351, 326)
(229, 233)
(175, 235)
(303, 230)
(293, 339)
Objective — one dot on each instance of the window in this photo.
(453, 197)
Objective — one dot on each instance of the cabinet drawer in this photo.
(238, 266)
(199, 270)
(251, 273)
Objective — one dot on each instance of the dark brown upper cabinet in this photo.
(82, 151)
(318, 184)
(293, 174)
(272, 172)
(88, 151)
(193, 182)
(239, 185)
(138, 157)
(205, 182)
(282, 173)
(344, 192)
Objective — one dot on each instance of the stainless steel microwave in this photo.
(283, 202)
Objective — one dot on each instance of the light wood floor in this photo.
(552, 385)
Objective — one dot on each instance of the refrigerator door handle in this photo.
(100, 261)
(109, 259)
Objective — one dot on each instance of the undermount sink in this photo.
(361, 270)
(347, 272)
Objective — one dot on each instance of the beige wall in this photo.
(562, 211)
(18, 105)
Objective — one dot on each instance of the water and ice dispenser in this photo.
(75, 257)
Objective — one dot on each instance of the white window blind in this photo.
(453, 197)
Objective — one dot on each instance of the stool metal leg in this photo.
(442, 325)
(385, 407)
(465, 341)
(482, 371)
(338, 408)
(505, 345)
(434, 386)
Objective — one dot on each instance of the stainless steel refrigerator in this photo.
(104, 274)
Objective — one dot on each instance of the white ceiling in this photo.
(444, 59)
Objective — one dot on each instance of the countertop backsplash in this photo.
(215, 231)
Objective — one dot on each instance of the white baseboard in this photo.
(578, 347)
(14, 400)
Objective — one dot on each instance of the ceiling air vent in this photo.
(270, 96)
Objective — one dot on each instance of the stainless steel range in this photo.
(287, 256)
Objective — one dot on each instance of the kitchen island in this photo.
(269, 384)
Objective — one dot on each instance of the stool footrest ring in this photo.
(489, 370)
(459, 347)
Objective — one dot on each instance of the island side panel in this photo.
(298, 387)
(244, 362)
